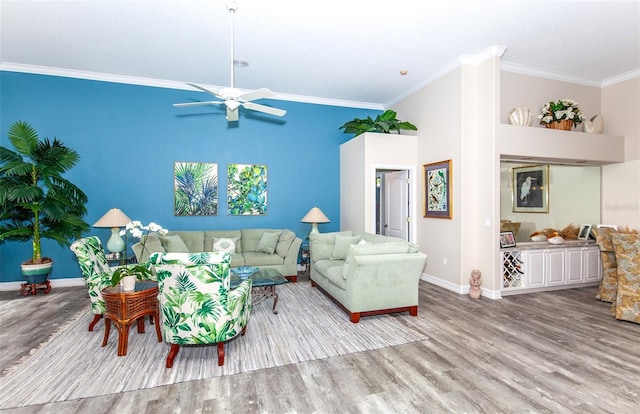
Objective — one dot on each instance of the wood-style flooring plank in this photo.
(545, 352)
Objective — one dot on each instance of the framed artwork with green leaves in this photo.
(195, 189)
(246, 189)
(437, 190)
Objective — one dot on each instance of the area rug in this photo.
(308, 326)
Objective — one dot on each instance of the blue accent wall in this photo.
(129, 137)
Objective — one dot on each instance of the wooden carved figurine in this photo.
(475, 281)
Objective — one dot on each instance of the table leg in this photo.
(140, 324)
(123, 339)
(275, 299)
(107, 328)
(158, 333)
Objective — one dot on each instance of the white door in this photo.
(396, 204)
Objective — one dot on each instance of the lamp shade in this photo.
(315, 215)
(113, 218)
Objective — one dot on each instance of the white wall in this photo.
(621, 182)
(437, 112)
(533, 92)
(359, 158)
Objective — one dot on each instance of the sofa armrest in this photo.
(292, 253)
(383, 281)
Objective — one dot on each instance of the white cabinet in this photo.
(592, 265)
(535, 268)
(575, 262)
(555, 267)
(550, 266)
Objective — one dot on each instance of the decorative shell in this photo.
(539, 238)
(556, 240)
(521, 116)
(594, 126)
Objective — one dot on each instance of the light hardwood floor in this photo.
(551, 352)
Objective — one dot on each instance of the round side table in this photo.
(124, 308)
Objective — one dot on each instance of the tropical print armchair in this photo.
(95, 271)
(197, 305)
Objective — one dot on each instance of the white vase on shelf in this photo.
(594, 126)
(521, 116)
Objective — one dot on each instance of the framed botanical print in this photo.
(437, 190)
(531, 189)
(195, 189)
(246, 189)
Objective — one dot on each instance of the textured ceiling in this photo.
(331, 50)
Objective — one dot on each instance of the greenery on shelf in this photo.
(563, 109)
(383, 123)
(36, 201)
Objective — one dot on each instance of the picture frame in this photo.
(531, 189)
(246, 189)
(609, 226)
(507, 239)
(585, 231)
(437, 197)
(195, 191)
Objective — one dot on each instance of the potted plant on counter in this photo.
(37, 201)
(383, 123)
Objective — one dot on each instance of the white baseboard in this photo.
(55, 283)
(462, 290)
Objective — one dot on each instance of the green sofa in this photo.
(366, 274)
(276, 248)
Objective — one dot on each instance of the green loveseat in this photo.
(276, 248)
(366, 274)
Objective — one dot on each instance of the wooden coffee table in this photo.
(124, 308)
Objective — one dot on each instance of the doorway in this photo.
(393, 203)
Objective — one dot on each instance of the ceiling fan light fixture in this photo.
(231, 96)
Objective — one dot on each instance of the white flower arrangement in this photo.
(140, 270)
(559, 111)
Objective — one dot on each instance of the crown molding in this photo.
(478, 58)
(160, 83)
(621, 78)
(563, 77)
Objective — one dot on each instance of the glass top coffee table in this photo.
(264, 282)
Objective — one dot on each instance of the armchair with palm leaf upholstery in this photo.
(197, 305)
(95, 271)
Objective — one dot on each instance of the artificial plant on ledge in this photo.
(384, 123)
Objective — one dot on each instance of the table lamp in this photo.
(315, 216)
(115, 219)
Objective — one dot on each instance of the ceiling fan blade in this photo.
(263, 108)
(203, 89)
(256, 94)
(232, 114)
(181, 105)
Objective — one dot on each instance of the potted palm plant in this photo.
(36, 201)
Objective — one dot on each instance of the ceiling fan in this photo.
(232, 97)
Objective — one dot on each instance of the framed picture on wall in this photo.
(437, 190)
(584, 232)
(507, 239)
(195, 189)
(246, 189)
(531, 189)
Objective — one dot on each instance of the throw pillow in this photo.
(174, 243)
(341, 248)
(225, 245)
(268, 242)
